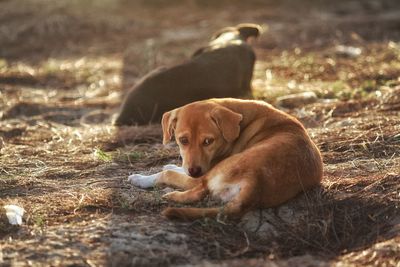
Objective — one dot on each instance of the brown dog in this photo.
(246, 153)
(223, 68)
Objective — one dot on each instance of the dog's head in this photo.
(204, 130)
(242, 33)
(247, 32)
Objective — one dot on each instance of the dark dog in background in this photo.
(223, 68)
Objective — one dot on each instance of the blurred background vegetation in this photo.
(102, 47)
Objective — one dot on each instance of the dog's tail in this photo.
(231, 211)
(190, 214)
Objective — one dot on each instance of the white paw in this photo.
(143, 181)
(174, 168)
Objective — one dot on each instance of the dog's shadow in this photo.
(323, 221)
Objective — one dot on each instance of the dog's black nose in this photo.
(195, 171)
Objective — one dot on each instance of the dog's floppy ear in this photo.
(228, 122)
(168, 124)
(247, 30)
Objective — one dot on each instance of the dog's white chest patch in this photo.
(222, 190)
(229, 192)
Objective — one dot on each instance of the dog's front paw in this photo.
(172, 196)
(143, 181)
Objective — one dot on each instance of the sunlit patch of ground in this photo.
(65, 66)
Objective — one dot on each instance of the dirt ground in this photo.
(64, 67)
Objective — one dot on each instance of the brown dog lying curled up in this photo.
(223, 68)
(243, 152)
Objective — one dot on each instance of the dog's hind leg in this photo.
(195, 194)
(234, 209)
(177, 180)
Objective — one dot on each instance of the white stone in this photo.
(14, 214)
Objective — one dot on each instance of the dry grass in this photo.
(63, 71)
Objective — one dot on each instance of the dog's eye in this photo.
(208, 141)
(184, 141)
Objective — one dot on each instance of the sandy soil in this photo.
(64, 67)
